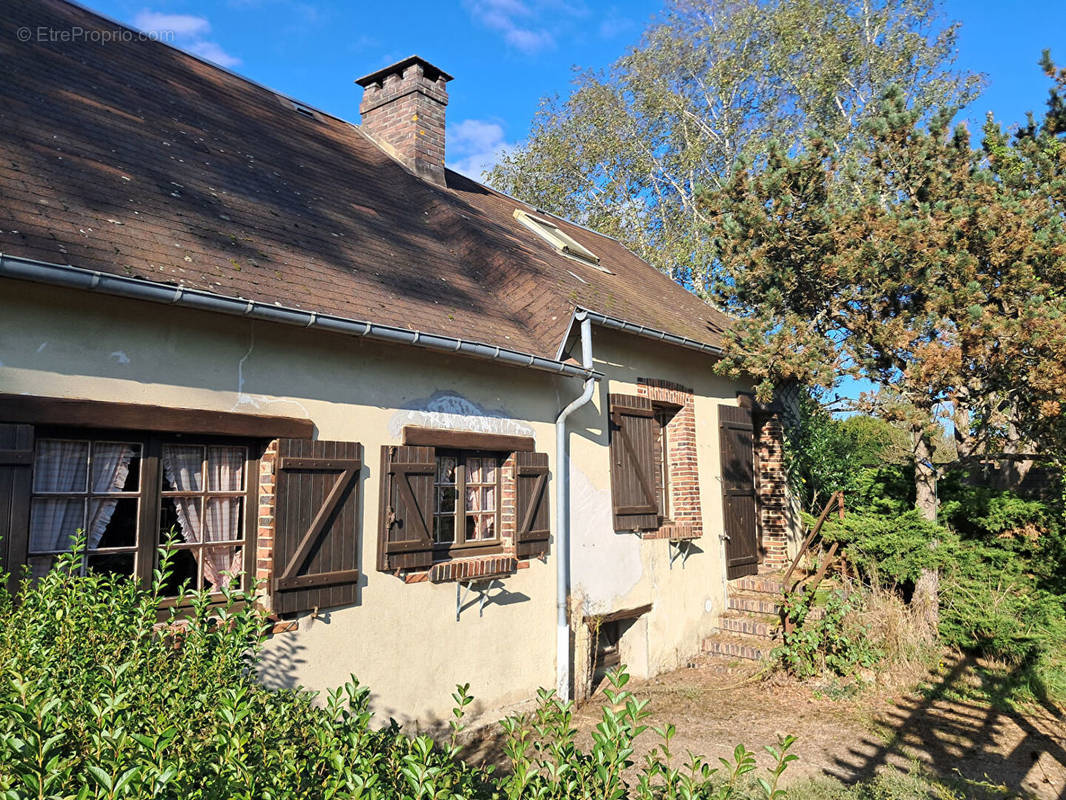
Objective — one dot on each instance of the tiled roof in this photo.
(137, 159)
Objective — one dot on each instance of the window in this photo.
(131, 494)
(561, 241)
(466, 495)
(93, 486)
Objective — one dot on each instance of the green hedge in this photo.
(98, 700)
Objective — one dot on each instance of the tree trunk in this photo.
(926, 599)
(924, 473)
(1012, 471)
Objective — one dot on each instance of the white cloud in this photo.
(515, 20)
(177, 24)
(475, 145)
(188, 32)
(213, 51)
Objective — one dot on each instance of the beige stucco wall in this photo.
(402, 640)
(618, 571)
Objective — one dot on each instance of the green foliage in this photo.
(100, 700)
(891, 549)
(826, 454)
(836, 641)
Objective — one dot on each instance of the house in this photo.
(453, 437)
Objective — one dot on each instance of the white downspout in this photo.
(562, 515)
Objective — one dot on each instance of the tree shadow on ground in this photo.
(962, 725)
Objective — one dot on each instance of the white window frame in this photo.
(560, 241)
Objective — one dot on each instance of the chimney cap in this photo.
(432, 73)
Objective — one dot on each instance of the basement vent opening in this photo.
(562, 242)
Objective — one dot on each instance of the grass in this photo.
(915, 784)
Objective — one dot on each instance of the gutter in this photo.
(71, 277)
(651, 333)
(562, 505)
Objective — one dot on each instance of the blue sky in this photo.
(507, 54)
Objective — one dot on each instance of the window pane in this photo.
(182, 468)
(115, 563)
(113, 523)
(488, 529)
(444, 529)
(490, 470)
(445, 469)
(222, 521)
(473, 470)
(183, 568)
(446, 499)
(225, 469)
(41, 565)
(489, 501)
(60, 466)
(473, 499)
(54, 521)
(221, 565)
(182, 514)
(116, 467)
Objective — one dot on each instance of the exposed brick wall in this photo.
(406, 112)
(264, 542)
(507, 500)
(686, 515)
(464, 569)
(772, 490)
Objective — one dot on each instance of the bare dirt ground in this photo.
(851, 739)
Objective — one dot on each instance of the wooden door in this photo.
(735, 433)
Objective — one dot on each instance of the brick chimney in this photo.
(403, 109)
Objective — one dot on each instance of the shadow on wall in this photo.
(978, 740)
(279, 666)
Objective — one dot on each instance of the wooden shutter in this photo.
(316, 541)
(532, 509)
(633, 463)
(405, 538)
(735, 434)
(16, 471)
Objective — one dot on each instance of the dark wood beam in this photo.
(134, 416)
(465, 440)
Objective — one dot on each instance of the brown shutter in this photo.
(735, 433)
(316, 541)
(532, 509)
(405, 536)
(633, 463)
(16, 471)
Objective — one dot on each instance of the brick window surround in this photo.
(686, 514)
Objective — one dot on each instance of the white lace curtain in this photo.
(183, 468)
(62, 467)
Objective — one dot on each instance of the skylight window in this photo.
(562, 242)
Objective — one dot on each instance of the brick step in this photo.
(734, 646)
(757, 603)
(763, 627)
(760, 584)
(753, 604)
